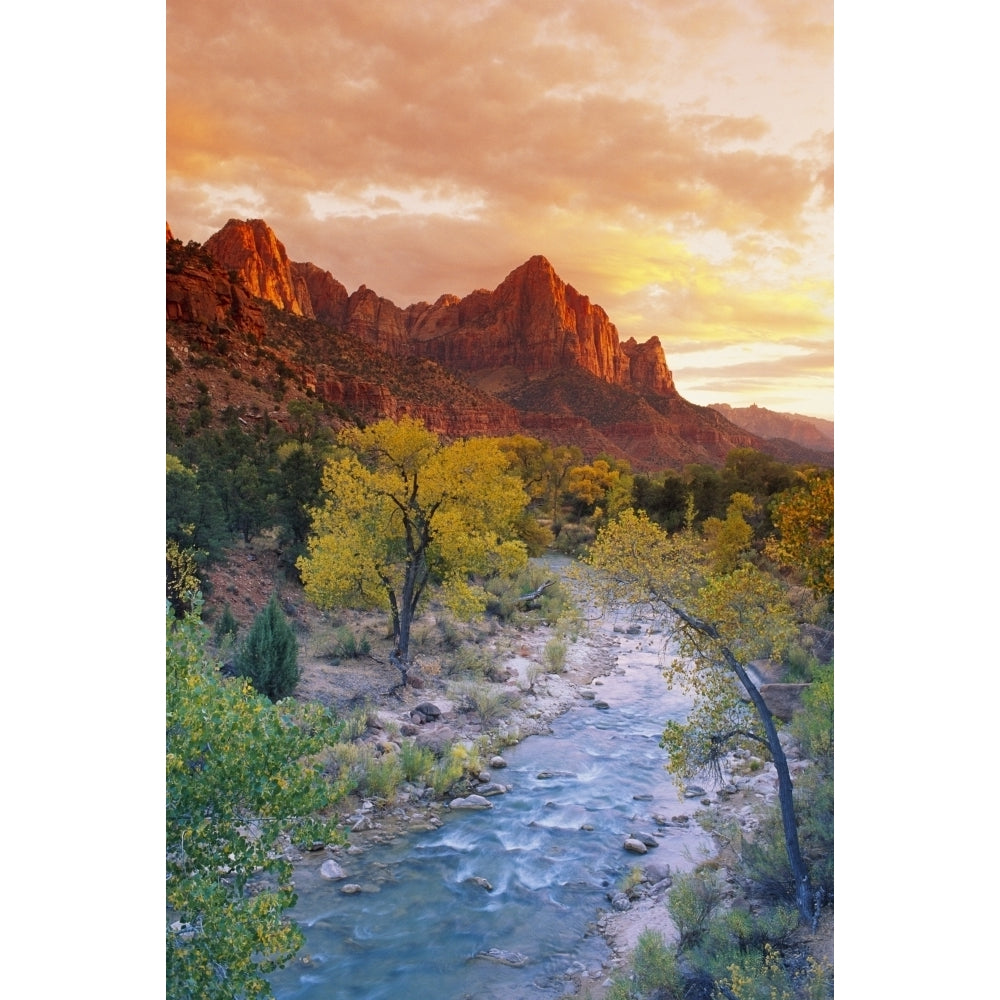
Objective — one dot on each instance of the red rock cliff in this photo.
(535, 322)
(252, 250)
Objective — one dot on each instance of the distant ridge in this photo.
(810, 432)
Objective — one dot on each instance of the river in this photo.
(550, 850)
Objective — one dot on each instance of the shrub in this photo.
(449, 770)
(655, 967)
(488, 701)
(633, 878)
(269, 656)
(692, 900)
(555, 654)
(359, 720)
(416, 761)
(226, 627)
(760, 975)
(802, 665)
(382, 776)
(764, 861)
(348, 646)
(813, 726)
(471, 661)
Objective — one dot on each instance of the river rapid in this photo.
(505, 902)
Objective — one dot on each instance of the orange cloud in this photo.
(682, 146)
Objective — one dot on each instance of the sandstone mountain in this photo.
(809, 432)
(532, 356)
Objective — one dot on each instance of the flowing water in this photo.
(551, 848)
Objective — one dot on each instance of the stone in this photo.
(471, 802)
(493, 788)
(646, 838)
(331, 870)
(425, 712)
(784, 700)
(635, 846)
(351, 889)
(512, 958)
(620, 902)
(656, 871)
(497, 763)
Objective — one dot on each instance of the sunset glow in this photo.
(673, 159)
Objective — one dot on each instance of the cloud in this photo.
(658, 154)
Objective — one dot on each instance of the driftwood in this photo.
(535, 594)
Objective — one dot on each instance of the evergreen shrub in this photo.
(269, 656)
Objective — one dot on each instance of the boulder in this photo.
(425, 712)
(471, 802)
(646, 838)
(635, 846)
(331, 870)
(783, 700)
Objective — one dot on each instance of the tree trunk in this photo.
(789, 823)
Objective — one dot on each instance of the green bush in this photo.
(348, 646)
(359, 720)
(555, 654)
(655, 967)
(416, 761)
(488, 701)
(801, 664)
(449, 770)
(383, 776)
(471, 661)
(692, 901)
(269, 656)
(225, 627)
(813, 726)
(761, 975)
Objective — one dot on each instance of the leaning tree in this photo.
(721, 621)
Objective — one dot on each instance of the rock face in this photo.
(534, 322)
(252, 250)
(202, 294)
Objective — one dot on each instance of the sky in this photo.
(673, 160)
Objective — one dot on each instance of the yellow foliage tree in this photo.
(803, 518)
(729, 540)
(721, 621)
(404, 512)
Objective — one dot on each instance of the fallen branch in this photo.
(535, 594)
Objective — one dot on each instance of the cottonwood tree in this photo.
(241, 772)
(404, 511)
(721, 622)
(803, 519)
